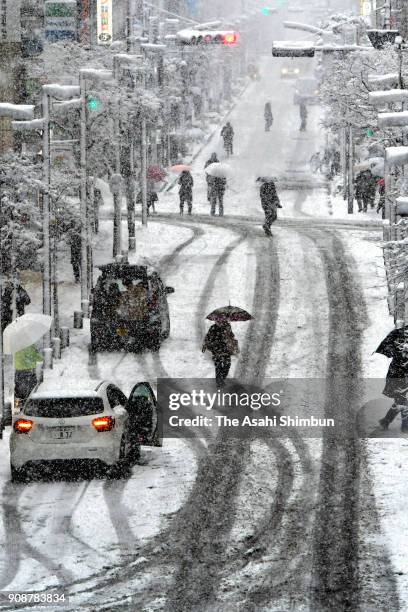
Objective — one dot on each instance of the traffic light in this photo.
(369, 132)
(92, 103)
(228, 38)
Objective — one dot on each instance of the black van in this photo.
(129, 309)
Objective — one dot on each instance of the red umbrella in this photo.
(229, 313)
(155, 173)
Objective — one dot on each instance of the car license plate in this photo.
(121, 331)
(62, 433)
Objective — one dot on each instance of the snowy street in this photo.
(271, 524)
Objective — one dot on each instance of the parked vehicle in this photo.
(306, 91)
(99, 427)
(129, 309)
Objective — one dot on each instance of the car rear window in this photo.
(64, 407)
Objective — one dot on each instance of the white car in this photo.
(100, 426)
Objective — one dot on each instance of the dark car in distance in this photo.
(129, 309)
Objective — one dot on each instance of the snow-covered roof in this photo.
(294, 25)
(385, 97)
(25, 126)
(396, 156)
(16, 111)
(61, 92)
(393, 119)
(390, 79)
(97, 73)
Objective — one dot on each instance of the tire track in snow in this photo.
(205, 522)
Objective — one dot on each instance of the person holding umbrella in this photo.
(218, 183)
(395, 346)
(269, 201)
(220, 340)
(212, 160)
(186, 183)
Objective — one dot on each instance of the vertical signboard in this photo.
(84, 22)
(104, 22)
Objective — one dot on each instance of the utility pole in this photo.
(83, 198)
(46, 212)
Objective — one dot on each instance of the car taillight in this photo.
(23, 426)
(104, 423)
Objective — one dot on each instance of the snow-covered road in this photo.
(237, 525)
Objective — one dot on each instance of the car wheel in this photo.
(17, 474)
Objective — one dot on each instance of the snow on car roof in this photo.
(73, 388)
(55, 393)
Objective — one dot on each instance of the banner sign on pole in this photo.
(104, 22)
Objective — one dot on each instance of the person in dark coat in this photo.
(222, 344)
(186, 183)
(366, 188)
(217, 188)
(268, 116)
(381, 201)
(212, 160)
(359, 188)
(22, 300)
(371, 189)
(75, 244)
(151, 198)
(270, 202)
(303, 116)
(395, 346)
(227, 134)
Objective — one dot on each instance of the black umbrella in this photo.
(394, 344)
(229, 313)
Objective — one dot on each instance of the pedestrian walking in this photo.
(222, 344)
(303, 116)
(372, 185)
(268, 117)
(186, 183)
(316, 162)
(151, 199)
(25, 379)
(227, 134)
(75, 244)
(270, 202)
(22, 300)
(359, 189)
(217, 188)
(395, 346)
(381, 201)
(212, 160)
(365, 190)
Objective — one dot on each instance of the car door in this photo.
(143, 414)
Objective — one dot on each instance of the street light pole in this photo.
(83, 198)
(46, 211)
